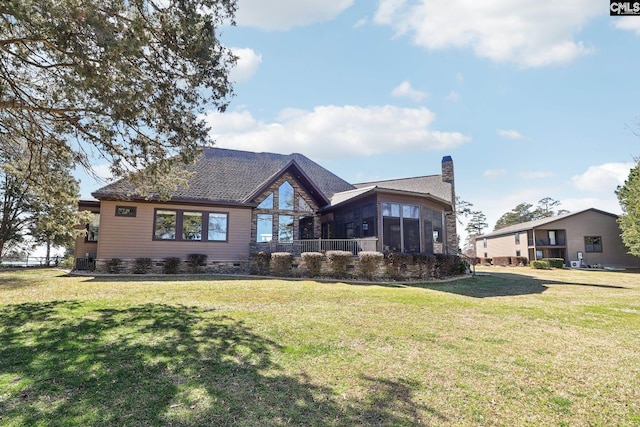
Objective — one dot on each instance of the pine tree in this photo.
(123, 80)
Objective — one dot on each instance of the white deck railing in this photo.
(297, 247)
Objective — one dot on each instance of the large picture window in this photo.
(190, 225)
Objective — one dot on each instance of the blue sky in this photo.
(530, 98)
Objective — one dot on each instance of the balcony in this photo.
(559, 242)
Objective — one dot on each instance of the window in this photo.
(285, 197)
(437, 226)
(217, 227)
(305, 227)
(517, 237)
(518, 253)
(593, 244)
(401, 227)
(190, 225)
(165, 225)
(129, 211)
(267, 203)
(484, 242)
(285, 228)
(303, 206)
(93, 228)
(264, 228)
(349, 230)
(411, 228)
(369, 221)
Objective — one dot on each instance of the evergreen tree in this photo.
(45, 207)
(521, 213)
(125, 80)
(477, 223)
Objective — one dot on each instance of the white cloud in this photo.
(494, 173)
(103, 172)
(361, 23)
(509, 133)
(629, 23)
(536, 174)
(334, 131)
(530, 34)
(603, 178)
(405, 90)
(285, 14)
(248, 63)
(453, 96)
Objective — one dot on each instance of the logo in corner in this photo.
(624, 8)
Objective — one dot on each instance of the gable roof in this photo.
(431, 184)
(234, 176)
(523, 226)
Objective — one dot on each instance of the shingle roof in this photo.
(538, 223)
(431, 184)
(233, 176)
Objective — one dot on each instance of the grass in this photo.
(514, 347)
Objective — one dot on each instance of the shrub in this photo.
(195, 261)
(142, 265)
(339, 260)
(114, 265)
(555, 262)
(425, 263)
(312, 262)
(502, 261)
(369, 263)
(171, 265)
(67, 262)
(540, 265)
(519, 260)
(259, 263)
(448, 265)
(281, 263)
(396, 264)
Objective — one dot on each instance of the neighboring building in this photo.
(589, 237)
(240, 202)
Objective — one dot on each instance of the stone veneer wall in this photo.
(450, 219)
(410, 271)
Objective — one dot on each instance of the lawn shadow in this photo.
(65, 363)
(499, 284)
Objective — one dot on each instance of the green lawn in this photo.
(514, 347)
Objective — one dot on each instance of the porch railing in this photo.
(297, 247)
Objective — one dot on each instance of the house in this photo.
(240, 202)
(589, 237)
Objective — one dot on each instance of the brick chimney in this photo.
(451, 237)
